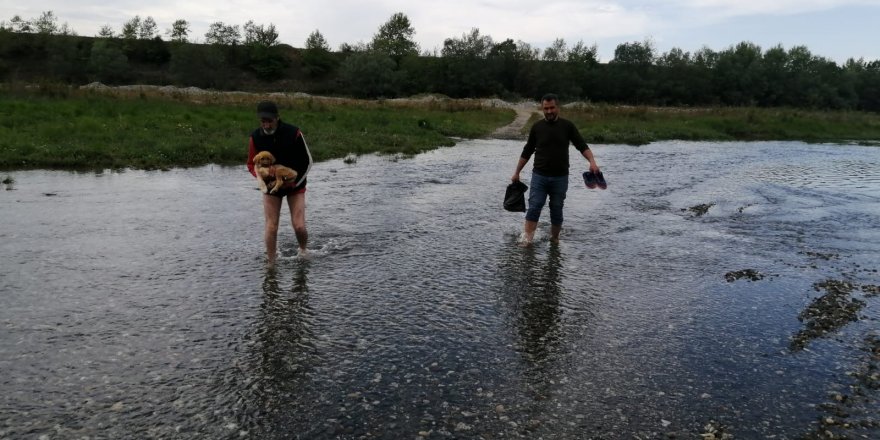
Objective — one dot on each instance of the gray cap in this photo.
(267, 109)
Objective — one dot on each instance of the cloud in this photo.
(607, 23)
(728, 8)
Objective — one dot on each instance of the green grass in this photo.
(642, 125)
(62, 128)
(83, 130)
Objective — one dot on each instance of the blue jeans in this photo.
(541, 187)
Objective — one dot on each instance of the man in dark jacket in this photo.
(548, 141)
(287, 144)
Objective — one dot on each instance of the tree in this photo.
(557, 51)
(317, 60)
(636, 54)
(471, 45)
(776, 75)
(65, 29)
(706, 57)
(46, 24)
(395, 38)
(681, 81)
(19, 25)
(179, 31)
(106, 32)
(866, 83)
(506, 63)
(131, 28)
(200, 66)
(260, 35)
(525, 51)
(107, 62)
(147, 29)
(360, 46)
(316, 41)
(370, 75)
(739, 79)
(223, 35)
(581, 54)
(66, 57)
(630, 75)
(466, 72)
(267, 62)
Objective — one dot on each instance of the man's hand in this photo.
(515, 177)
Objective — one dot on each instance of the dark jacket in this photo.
(549, 141)
(288, 146)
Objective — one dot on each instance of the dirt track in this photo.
(514, 130)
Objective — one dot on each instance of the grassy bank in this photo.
(64, 128)
(73, 129)
(642, 125)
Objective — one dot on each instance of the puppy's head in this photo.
(264, 159)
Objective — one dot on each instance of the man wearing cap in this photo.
(287, 144)
(548, 141)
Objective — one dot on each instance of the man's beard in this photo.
(269, 132)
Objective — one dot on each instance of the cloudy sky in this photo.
(836, 29)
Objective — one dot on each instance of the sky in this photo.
(834, 29)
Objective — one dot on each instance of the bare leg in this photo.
(297, 205)
(554, 233)
(272, 211)
(529, 231)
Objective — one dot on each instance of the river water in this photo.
(136, 304)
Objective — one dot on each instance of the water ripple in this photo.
(139, 311)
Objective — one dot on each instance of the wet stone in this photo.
(827, 313)
(699, 210)
(749, 274)
(871, 289)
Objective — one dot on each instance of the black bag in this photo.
(515, 197)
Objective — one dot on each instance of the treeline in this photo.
(472, 65)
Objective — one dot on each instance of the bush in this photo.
(199, 66)
(108, 63)
(370, 75)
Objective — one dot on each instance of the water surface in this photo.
(136, 304)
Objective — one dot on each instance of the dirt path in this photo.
(514, 130)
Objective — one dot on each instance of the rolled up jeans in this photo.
(543, 186)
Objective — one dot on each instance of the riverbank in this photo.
(150, 127)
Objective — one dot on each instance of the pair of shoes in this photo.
(600, 181)
(592, 180)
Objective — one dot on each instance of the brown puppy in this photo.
(270, 174)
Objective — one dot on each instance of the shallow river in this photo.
(137, 304)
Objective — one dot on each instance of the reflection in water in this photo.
(537, 296)
(419, 316)
(531, 293)
(283, 351)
